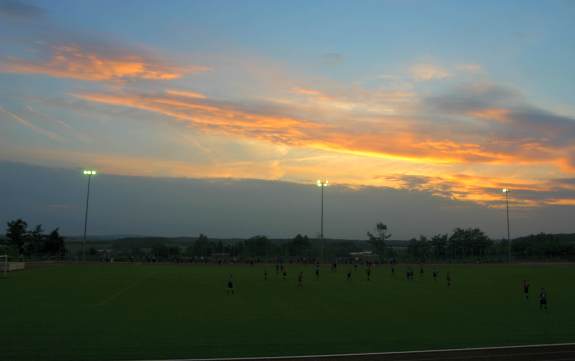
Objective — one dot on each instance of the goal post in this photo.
(4, 265)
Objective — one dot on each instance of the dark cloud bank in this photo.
(242, 208)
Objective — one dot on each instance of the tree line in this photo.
(23, 242)
(462, 244)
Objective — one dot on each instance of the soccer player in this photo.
(349, 275)
(526, 289)
(230, 289)
(300, 279)
(448, 279)
(421, 271)
(265, 275)
(368, 271)
(392, 270)
(543, 299)
(317, 272)
(435, 275)
(284, 274)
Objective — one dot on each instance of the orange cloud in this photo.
(186, 93)
(358, 100)
(344, 170)
(307, 91)
(72, 61)
(394, 142)
(456, 158)
(499, 114)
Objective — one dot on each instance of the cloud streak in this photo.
(95, 64)
(26, 123)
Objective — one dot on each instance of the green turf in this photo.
(123, 312)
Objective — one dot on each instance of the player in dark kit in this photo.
(349, 275)
(526, 289)
(448, 279)
(300, 279)
(434, 275)
(265, 275)
(230, 289)
(409, 274)
(284, 274)
(368, 272)
(317, 272)
(543, 299)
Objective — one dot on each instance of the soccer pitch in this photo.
(129, 312)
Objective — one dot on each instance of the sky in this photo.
(435, 105)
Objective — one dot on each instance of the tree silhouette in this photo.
(257, 246)
(299, 245)
(54, 244)
(34, 241)
(377, 241)
(16, 234)
(470, 242)
(439, 245)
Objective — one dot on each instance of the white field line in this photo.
(122, 290)
(337, 355)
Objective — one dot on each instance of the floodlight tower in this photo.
(89, 173)
(506, 192)
(322, 184)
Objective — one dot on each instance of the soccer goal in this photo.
(4, 265)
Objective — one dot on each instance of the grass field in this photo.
(123, 312)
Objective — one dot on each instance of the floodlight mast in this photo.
(322, 184)
(506, 191)
(89, 173)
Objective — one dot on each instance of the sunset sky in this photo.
(451, 100)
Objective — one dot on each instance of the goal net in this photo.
(4, 266)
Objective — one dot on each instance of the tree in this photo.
(439, 245)
(468, 242)
(34, 241)
(419, 249)
(257, 246)
(54, 244)
(299, 246)
(202, 246)
(16, 234)
(377, 241)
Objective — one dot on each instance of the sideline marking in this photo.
(121, 291)
(372, 353)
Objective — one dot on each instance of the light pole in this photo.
(89, 173)
(506, 191)
(322, 184)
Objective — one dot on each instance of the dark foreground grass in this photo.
(123, 312)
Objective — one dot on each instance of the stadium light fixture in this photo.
(89, 173)
(322, 184)
(506, 192)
